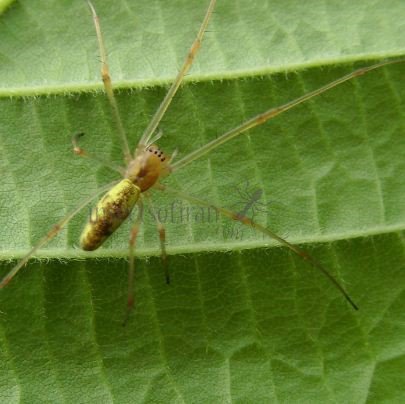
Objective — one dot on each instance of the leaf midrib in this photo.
(69, 89)
(192, 248)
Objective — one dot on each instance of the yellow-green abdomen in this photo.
(113, 208)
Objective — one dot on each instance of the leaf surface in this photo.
(242, 320)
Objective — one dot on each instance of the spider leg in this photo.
(105, 75)
(273, 112)
(162, 238)
(264, 230)
(153, 124)
(83, 153)
(54, 231)
(131, 269)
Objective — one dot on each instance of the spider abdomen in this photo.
(109, 213)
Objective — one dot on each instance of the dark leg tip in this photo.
(130, 307)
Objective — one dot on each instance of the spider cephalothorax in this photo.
(145, 169)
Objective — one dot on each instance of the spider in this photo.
(147, 166)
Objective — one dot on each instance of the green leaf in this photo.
(242, 320)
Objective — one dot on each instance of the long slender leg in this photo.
(105, 75)
(54, 231)
(273, 112)
(245, 220)
(162, 238)
(131, 270)
(150, 129)
(83, 153)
